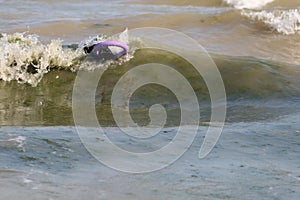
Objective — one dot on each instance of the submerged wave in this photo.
(253, 87)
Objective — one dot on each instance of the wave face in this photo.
(26, 60)
(256, 90)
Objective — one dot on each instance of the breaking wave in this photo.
(282, 21)
(25, 59)
(249, 4)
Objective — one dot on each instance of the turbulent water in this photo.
(255, 45)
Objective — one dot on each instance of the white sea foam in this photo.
(25, 59)
(18, 141)
(27, 181)
(249, 4)
(283, 21)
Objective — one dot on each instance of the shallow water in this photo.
(252, 160)
(255, 45)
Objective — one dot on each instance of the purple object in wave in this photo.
(125, 48)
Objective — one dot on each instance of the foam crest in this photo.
(249, 4)
(25, 59)
(283, 21)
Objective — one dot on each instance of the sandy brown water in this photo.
(219, 28)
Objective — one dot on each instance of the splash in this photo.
(91, 64)
(282, 21)
(25, 59)
(248, 4)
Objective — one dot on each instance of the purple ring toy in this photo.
(111, 43)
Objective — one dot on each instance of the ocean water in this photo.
(255, 46)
